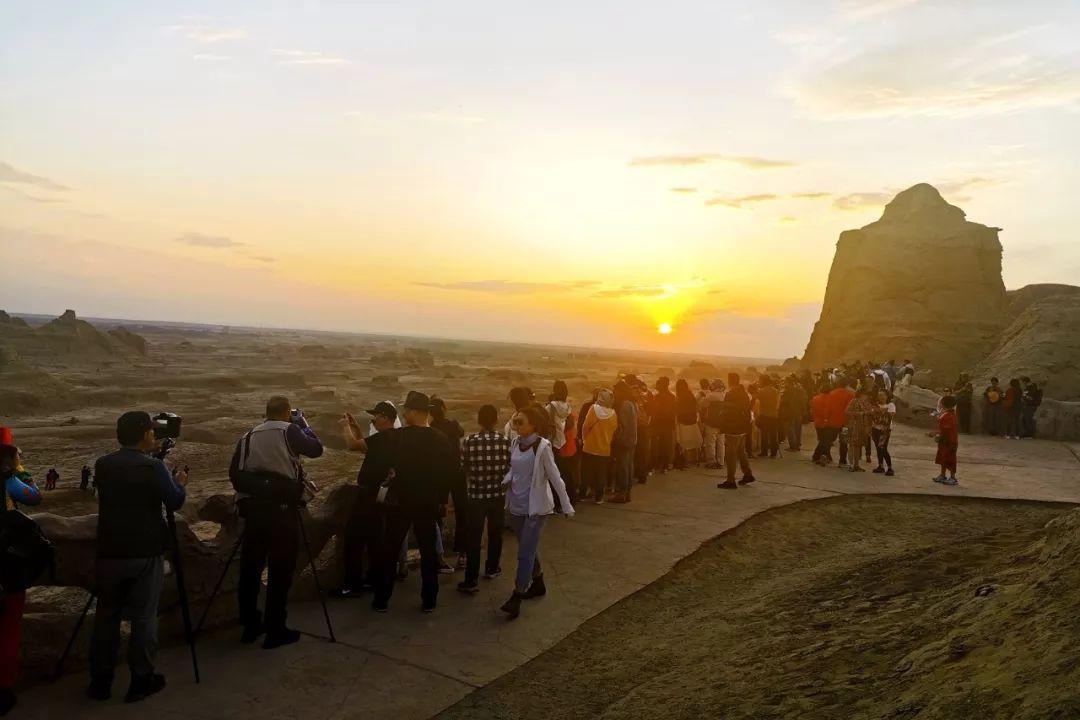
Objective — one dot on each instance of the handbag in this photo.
(25, 552)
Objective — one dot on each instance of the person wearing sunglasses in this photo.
(532, 485)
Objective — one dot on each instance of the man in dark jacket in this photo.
(131, 541)
(736, 425)
(423, 468)
(663, 421)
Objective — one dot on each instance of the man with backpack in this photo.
(268, 476)
(16, 488)
(712, 412)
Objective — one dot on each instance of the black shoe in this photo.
(727, 485)
(427, 607)
(344, 593)
(143, 686)
(100, 689)
(493, 573)
(889, 473)
(536, 588)
(469, 587)
(7, 700)
(747, 479)
(879, 469)
(251, 633)
(512, 607)
(278, 638)
(380, 606)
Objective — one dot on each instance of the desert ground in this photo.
(813, 593)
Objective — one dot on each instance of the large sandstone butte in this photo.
(922, 283)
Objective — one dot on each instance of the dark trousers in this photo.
(126, 588)
(770, 439)
(663, 441)
(992, 418)
(826, 437)
(362, 537)
(11, 612)
(843, 445)
(424, 522)
(492, 513)
(461, 512)
(1013, 422)
(963, 415)
(1027, 421)
(794, 434)
(271, 542)
(569, 471)
(735, 454)
(594, 470)
(641, 455)
(624, 468)
(881, 442)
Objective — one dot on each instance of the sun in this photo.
(664, 328)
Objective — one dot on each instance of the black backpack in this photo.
(714, 414)
(25, 552)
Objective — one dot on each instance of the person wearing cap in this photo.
(272, 449)
(132, 538)
(421, 471)
(363, 530)
(16, 488)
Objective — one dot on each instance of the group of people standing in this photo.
(1006, 410)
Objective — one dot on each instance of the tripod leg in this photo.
(220, 582)
(71, 642)
(315, 574)
(185, 611)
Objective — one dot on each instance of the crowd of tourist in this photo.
(548, 457)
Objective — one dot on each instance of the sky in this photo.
(559, 173)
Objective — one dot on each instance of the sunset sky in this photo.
(555, 172)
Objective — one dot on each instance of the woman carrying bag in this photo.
(532, 484)
(16, 488)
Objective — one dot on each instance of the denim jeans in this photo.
(126, 588)
(624, 468)
(527, 529)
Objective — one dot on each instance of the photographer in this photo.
(132, 537)
(268, 477)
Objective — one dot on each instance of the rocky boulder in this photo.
(922, 282)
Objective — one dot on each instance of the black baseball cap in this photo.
(417, 401)
(384, 408)
(132, 425)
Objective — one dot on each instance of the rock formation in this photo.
(922, 283)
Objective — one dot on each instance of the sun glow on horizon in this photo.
(664, 328)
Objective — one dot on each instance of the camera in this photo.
(166, 425)
(296, 417)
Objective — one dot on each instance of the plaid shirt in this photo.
(486, 457)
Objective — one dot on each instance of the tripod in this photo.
(311, 564)
(178, 570)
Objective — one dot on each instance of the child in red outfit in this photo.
(948, 439)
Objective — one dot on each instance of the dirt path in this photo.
(853, 607)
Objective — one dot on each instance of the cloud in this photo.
(263, 258)
(946, 76)
(9, 174)
(860, 10)
(210, 58)
(748, 161)
(306, 57)
(858, 201)
(738, 202)
(207, 33)
(789, 220)
(811, 195)
(639, 291)
(509, 287)
(684, 190)
(208, 241)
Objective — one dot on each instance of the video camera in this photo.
(166, 425)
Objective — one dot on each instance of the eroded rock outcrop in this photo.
(922, 282)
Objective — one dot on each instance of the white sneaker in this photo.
(939, 479)
(950, 481)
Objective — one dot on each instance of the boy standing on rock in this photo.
(948, 440)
